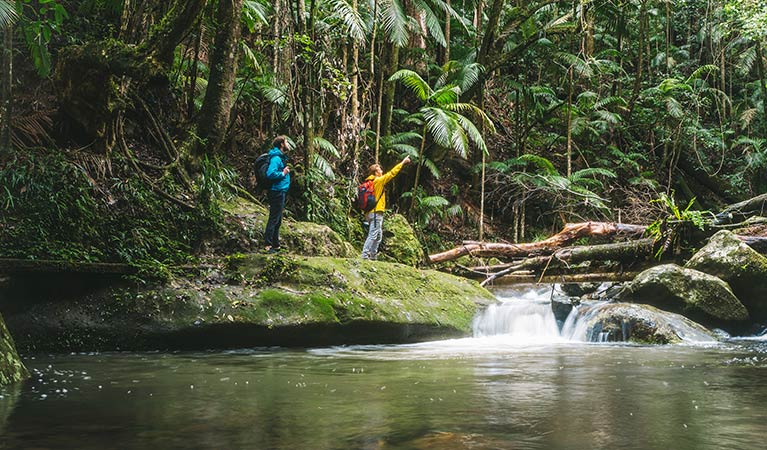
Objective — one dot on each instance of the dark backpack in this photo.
(366, 198)
(259, 169)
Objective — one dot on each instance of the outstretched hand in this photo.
(406, 160)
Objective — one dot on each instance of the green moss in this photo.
(400, 243)
(11, 368)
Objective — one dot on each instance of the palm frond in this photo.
(434, 201)
(446, 95)
(541, 162)
(609, 101)
(256, 11)
(7, 13)
(608, 116)
(433, 169)
(413, 81)
(674, 108)
(351, 18)
(401, 138)
(395, 21)
(747, 117)
(327, 146)
(592, 172)
(700, 71)
(323, 166)
(472, 132)
(432, 21)
(439, 125)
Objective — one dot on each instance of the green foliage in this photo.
(665, 231)
(427, 208)
(538, 179)
(39, 22)
(52, 208)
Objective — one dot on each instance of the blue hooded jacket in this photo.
(274, 171)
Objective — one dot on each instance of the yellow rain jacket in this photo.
(378, 187)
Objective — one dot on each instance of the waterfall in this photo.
(525, 316)
(522, 316)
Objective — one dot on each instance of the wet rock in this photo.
(745, 270)
(627, 322)
(579, 289)
(12, 369)
(561, 307)
(562, 303)
(697, 295)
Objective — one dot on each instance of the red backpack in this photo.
(366, 198)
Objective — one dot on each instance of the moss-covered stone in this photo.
(745, 270)
(243, 231)
(695, 294)
(269, 300)
(11, 368)
(400, 243)
(641, 324)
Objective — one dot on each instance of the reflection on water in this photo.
(509, 390)
(428, 396)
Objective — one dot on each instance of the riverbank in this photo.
(252, 300)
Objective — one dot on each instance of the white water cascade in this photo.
(525, 316)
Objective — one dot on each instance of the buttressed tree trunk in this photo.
(89, 77)
(216, 107)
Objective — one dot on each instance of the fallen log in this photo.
(566, 278)
(636, 251)
(570, 233)
(738, 212)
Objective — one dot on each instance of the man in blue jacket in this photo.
(279, 173)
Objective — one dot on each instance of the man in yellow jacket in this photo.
(375, 216)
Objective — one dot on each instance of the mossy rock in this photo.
(728, 258)
(12, 369)
(243, 232)
(699, 296)
(641, 324)
(400, 243)
(283, 299)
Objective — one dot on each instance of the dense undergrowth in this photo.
(52, 208)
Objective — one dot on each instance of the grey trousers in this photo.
(375, 235)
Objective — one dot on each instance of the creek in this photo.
(519, 383)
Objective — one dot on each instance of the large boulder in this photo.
(243, 231)
(258, 300)
(400, 243)
(643, 324)
(699, 296)
(11, 368)
(745, 270)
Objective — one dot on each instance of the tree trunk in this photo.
(387, 105)
(762, 81)
(217, 106)
(640, 59)
(175, 26)
(6, 91)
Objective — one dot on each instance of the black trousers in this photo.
(276, 207)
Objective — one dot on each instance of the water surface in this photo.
(509, 390)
